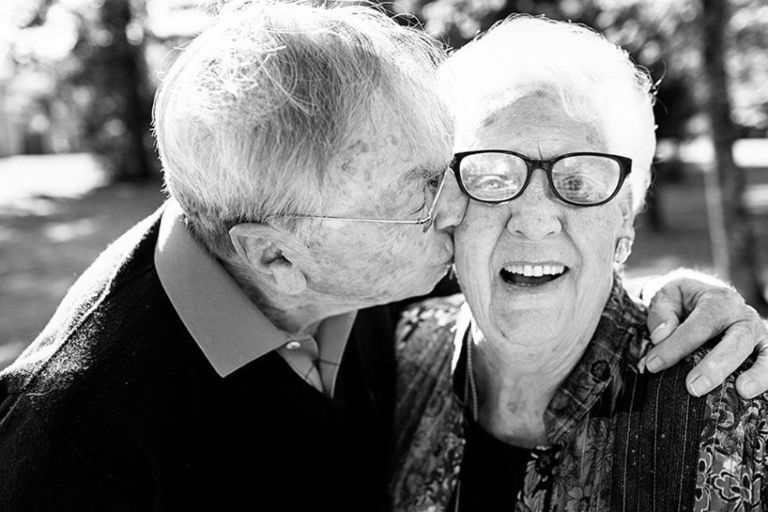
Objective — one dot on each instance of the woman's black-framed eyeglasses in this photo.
(579, 179)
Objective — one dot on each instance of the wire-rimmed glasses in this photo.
(579, 179)
(426, 220)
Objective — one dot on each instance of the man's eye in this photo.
(433, 182)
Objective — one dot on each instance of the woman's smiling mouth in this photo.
(532, 274)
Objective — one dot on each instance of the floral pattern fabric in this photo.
(575, 473)
(732, 459)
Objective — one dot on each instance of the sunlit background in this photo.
(77, 163)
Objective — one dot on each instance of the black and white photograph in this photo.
(411, 256)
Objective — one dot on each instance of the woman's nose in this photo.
(536, 214)
(451, 206)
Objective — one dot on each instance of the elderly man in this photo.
(225, 352)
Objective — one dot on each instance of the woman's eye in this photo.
(496, 182)
(579, 186)
(490, 182)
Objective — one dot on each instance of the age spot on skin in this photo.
(359, 147)
(350, 153)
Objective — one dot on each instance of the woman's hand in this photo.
(692, 308)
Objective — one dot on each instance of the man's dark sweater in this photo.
(114, 407)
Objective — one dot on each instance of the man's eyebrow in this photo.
(420, 171)
(430, 169)
(417, 171)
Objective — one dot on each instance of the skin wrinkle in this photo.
(389, 252)
(365, 157)
(380, 183)
(531, 339)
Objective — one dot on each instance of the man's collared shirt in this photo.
(230, 329)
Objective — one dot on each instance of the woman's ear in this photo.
(272, 254)
(626, 233)
(627, 228)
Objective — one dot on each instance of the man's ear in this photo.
(276, 255)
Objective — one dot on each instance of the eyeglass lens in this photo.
(581, 179)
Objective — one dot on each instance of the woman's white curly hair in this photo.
(595, 80)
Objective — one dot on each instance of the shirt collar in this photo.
(616, 342)
(229, 329)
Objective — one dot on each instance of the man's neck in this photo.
(296, 314)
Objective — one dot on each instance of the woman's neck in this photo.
(516, 382)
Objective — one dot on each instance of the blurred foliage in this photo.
(703, 87)
(661, 35)
(78, 69)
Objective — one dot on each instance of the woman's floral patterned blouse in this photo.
(622, 439)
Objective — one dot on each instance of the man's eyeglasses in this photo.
(426, 220)
(580, 179)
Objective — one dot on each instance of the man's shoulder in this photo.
(107, 368)
(124, 260)
(106, 320)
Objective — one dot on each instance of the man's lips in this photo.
(529, 274)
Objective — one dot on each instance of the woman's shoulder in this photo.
(427, 440)
(733, 452)
(429, 327)
(427, 346)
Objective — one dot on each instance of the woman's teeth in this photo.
(536, 270)
(531, 275)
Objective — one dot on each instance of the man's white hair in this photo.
(250, 114)
(595, 80)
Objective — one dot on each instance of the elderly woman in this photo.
(532, 395)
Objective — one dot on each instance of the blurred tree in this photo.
(733, 241)
(731, 56)
(98, 74)
(117, 121)
(662, 36)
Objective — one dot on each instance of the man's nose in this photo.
(451, 206)
(536, 214)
